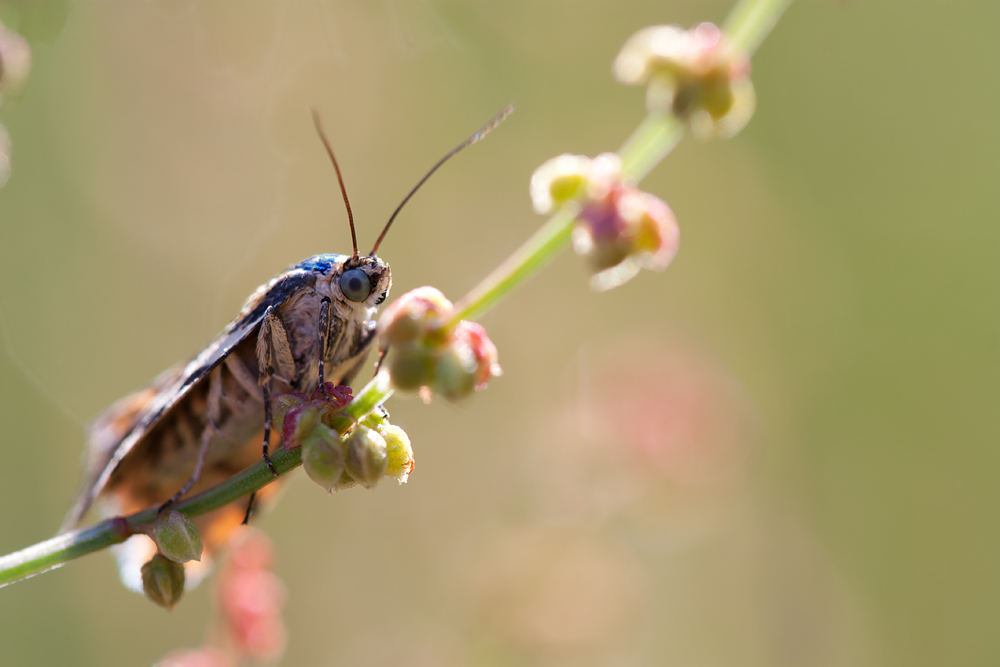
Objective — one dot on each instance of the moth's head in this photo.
(363, 280)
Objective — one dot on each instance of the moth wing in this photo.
(116, 431)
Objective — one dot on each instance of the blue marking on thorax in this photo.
(320, 264)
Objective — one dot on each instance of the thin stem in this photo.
(531, 256)
(750, 21)
(66, 547)
(652, 141)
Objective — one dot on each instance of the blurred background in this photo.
(781, 451)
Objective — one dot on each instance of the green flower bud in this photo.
(177, 537)
(280, 407)
(163, 581)
(411, 367)
(323, 457)
(455, 373)
(400, 453)
(367, 456)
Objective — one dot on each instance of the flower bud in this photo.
(177, 537)
(400, 453)
(410, 317)
(301, 420)
(412, 367)
(163, 581)
(281, 405)
(627, 231)
(696, 74)
(323, 458)
(15, 61)
(366, 456)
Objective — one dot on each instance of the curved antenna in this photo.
(483, 131)
(340, 179)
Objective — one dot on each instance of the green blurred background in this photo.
(782, 451)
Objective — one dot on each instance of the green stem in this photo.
(531, 256)
(63, 548)
(750, 21)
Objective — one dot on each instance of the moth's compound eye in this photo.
(355, 285)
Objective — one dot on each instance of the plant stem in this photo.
(531, 256)
(63, 548)
(750, 21)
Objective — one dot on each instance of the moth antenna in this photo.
(483, 131)
(326, 142)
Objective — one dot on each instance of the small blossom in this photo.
(430, 355)
(163, 581)
(177, 537)
(400, 453)
(15, 61)
(323, 457)
(696, 74)
(366, 456)
(627, 231)
(619, 229)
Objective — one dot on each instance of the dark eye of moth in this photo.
(355, 285)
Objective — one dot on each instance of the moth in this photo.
(202, 422)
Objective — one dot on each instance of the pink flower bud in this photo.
(483, 350)
(626, 231)
(414, 315)
(163, 581)
(15, 61)
(695, 74)
(249, 597)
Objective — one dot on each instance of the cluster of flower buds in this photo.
(338, 453)
(697, 75)
(430, 355)
(619, 229)
(15, 63)
(177, 542)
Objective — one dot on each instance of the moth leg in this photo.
(324, 336)
(246, 517)
(211, 428)
(265, 346)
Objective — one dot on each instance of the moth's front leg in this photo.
(272, 338)
(324, 337)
